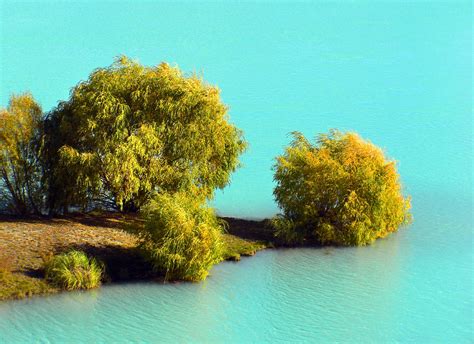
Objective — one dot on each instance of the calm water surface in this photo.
(414, 286)
(398, 72)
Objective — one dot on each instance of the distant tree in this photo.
(131, 130)
(340, 190)
(20, 145)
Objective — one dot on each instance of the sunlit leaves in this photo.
(148, 129)
(341, 190)
(181, 237)
(20, 146)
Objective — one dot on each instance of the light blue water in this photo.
(400, 73)
(415, 286)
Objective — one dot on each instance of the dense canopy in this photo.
(340, 190)
(130, 130)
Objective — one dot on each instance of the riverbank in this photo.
(25, 243)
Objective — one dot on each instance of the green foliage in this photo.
(130, 130)
(341, 190)
(18, 286)
(74, 270)
(20, 148)
(181, 236)
(234, 247)
(285, 230)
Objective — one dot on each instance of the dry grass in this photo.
(26, 243)
(18, 286)
(23, 242)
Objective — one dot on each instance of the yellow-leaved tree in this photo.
(20, 150)
(129, 131)
(342, 190)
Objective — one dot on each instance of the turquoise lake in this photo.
(397, 72)
(415, 286)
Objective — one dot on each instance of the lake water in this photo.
(413, 286)
(398, 72)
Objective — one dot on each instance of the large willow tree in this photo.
(130, 130)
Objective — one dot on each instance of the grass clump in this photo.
(182, 237)
(74, 270)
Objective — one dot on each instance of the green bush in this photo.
(181, 237)
(74, 270)
(341, 190)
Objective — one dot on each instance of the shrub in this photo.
(181, 237)
(340, 190)
(74, 270)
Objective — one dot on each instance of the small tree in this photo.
(20, 168)
(181, 237)
(130, 130)
(341, 190)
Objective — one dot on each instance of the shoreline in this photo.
(26, 242)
